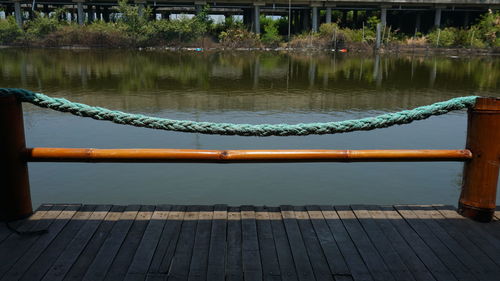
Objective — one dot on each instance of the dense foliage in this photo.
(133, 27)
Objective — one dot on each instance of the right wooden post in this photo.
(480, 177)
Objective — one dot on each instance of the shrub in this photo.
(271, 36)
(443, 37)
(346, 34)
(9, 30)
(306, 40)
(183, 29)
(131, 18)
(353, 35)
(488, 28)
(97, 34)
(42, 25)
(239, 38)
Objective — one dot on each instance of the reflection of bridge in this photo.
(406, 15)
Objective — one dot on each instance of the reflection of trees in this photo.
(243, 80)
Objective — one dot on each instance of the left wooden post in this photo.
(15, 198)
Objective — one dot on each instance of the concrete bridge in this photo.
(406, 15)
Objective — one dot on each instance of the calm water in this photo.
(251, 88)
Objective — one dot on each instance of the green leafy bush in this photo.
(446, 37)
(131, 18)
(488, 29)
(345, 35)
(183, 29)
(271, 35)
(42, 25)
(9, 30)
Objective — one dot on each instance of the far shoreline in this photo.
(395, 49)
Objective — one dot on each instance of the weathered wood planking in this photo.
(296, 243)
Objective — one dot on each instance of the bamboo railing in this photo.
(477, 199)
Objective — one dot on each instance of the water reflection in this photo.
(248, 80)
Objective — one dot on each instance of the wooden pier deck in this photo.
(164, 242)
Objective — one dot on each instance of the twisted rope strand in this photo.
(261, 130)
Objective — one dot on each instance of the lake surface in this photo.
(245, 87)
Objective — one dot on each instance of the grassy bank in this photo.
(132, 29)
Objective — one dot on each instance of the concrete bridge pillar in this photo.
(328, 18)
(315, 16)
(256, 17)
(383, 15)
(79, 11)
(314, 19)
(17, 13)
(437, 17)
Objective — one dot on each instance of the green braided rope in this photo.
(262, 130)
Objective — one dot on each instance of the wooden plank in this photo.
(252, 267)
(426, 255)
(15, 245)
(268, 255)
(85, 259)
(6, 228)
(336, 261)
(38, 269)
(299, 252)
(451, 261)
(123, 259)
(382, 244)
(371, 257)
(283, 251)
(472, 230)
(5, 231)
(64, 262)
(358, 268)
(199, 259)
(316, 257)
(408, 256)
(162, 257)
(104, 258)
(234, 267)
(478, 263)
(217, 250)
(182, 257)
(144, 254)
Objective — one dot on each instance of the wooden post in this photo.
(480, 178)
(15, 199)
